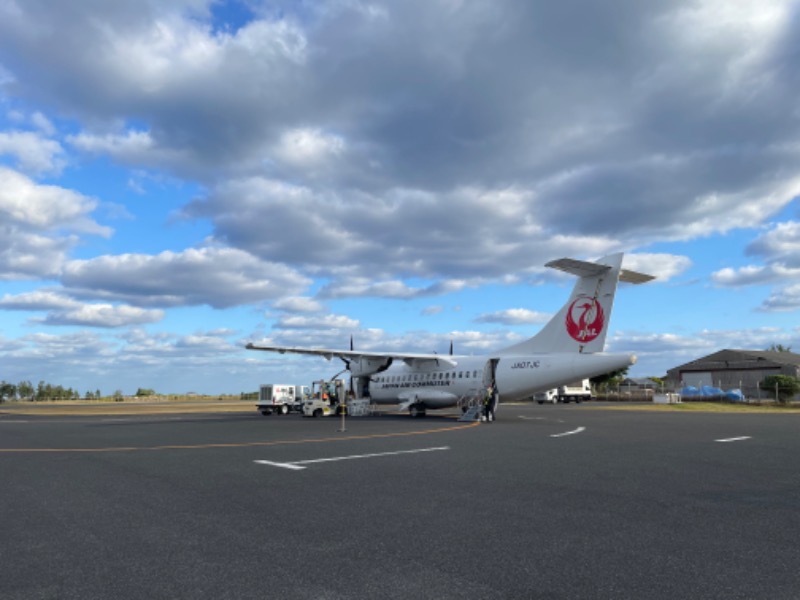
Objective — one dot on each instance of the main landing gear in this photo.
(417, 410)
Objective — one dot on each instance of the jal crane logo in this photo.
(585, 319)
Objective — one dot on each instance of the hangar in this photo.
(735, 369)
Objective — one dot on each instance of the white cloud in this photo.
(103, 315)
(24, 202)
(781, 243)
(35, 154)
(63, 310)
(753, 275)
(298, 304)
(364, 287)
(218, 277)
(39, 225)
(132, 147)
(515, 316)
(38, 300)
(43, 124)
(785, 299)
(28, 255)
(308, 147)
(315, 323)
(663, 266)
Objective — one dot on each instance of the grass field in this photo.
(87, 408)
(719, 407)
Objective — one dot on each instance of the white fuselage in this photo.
(516, 377)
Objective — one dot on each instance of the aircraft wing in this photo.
(411, 359)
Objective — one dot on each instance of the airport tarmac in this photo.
(547, 502)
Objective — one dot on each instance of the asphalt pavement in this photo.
(546, 502)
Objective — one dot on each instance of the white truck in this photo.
(280, 398)
(577, 391)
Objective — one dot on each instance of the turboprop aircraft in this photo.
(568, 348)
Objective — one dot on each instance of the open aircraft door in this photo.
(489, 372)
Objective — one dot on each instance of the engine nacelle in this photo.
(361, 367)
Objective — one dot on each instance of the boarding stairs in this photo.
(472, 405)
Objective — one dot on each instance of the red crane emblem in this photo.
(585, 319)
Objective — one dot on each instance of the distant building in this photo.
(638, 383)
(735, 369)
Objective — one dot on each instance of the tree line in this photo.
(46, 392)
(42, 392)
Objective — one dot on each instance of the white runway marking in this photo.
(736, 439)
(573, 432)
(298, 465)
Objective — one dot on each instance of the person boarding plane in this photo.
(568, 348)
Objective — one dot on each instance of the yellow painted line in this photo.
(237, 444)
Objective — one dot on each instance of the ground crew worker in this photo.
(488, 405)
(323, 389)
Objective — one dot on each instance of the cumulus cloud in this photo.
(785, 299)
(38, 300)
(63, 310)
(464, 234)
(298, 304)
(308, 147)
(317, 322)
(674, 124)
(39, 224)
(218, 277)
(663, 266)
(753, 275)
(103, 315)
(364, 287)
(25, 203)
(35, 153)
(781, 243)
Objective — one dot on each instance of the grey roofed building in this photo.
(735, 369)
(641, 383)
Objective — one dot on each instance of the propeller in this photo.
(345, 360)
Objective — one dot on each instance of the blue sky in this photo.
(180, 178)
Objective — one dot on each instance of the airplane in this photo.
(568, 348)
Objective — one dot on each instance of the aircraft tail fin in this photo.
(582, 323)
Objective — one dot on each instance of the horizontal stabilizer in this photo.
(581, 268)
(634, 277)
